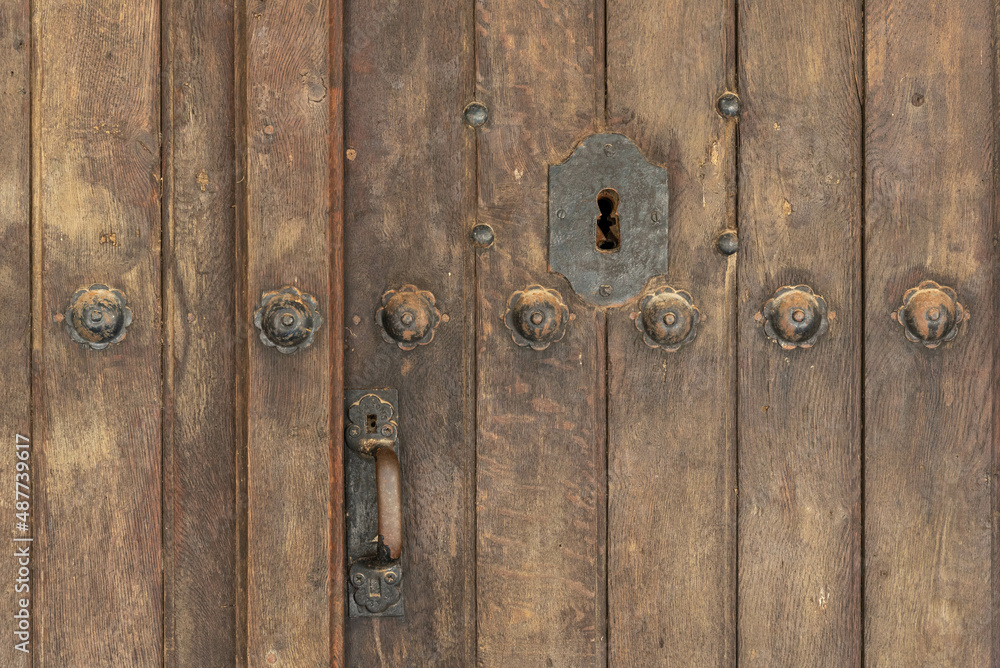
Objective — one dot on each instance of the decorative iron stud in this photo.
(98, 316)
(794, 317)
(930, 314)
(667, 318)
(287, 319)
(536, 317)
(408, 317)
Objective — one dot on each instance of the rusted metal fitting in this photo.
(930, 314)
(794, 317)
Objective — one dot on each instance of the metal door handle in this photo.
(390, 502)
(374, 505)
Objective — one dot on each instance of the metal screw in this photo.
(609, 150)
(561, 213)
(359, 579)
(476, 114)
(934, 314)
(729, 105)
(605, 291)
(798, 315)
(96, 316)
(655, 216)
(669, 318)
(537, 317)
(406, 319)
(482, 235)
(390, 578)
(728, 243)
(287, 320)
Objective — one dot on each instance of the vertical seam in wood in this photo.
(601, 28)
(337, 575)
(166, 329)
(601, 33)
(863, 297)
(473, 396)
(241, 340)
(734, 200)
(607, 471)
(35, 288)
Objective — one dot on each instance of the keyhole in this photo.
(608, 233)
(371, 424)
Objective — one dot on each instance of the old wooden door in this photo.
(224, 223)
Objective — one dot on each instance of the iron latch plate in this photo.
(602, 163)
(374, 580)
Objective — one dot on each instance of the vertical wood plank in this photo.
(15, 280)
(799, 410)
(288, 242)
(541, 430)
(928, 457)
(335, 139)
(671, 419)
(200, 316)
(409, 202)
(96, 185)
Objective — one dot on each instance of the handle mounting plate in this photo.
(374, 580)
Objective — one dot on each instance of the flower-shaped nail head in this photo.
(408, 317)
(794, 317)
(536, 317)
(667, 318)
(97, 316)
(930, 314)
(287, 319)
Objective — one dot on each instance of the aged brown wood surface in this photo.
(409, 201)
(337, 553)
(799, 411)
(930, 118)
(97, 413)
(15, 276)
(288, 242)
(200, 329)
(541, 449)
(671, 419)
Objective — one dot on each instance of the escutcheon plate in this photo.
(602, 163)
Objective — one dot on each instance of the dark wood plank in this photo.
(15, 283)
(671, 416)
(541, 431)
(409, 202)
(200, 316)
(338, 548)
(930, 111)
(96, 168)
(288, 242)
(799, 410)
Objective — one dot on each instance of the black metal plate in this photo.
(608, 161)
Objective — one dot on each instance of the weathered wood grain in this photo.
(671, 416)
(929, 445)
(541, 491)
(335, 140)
(409, 202)
(15, 276)
(96, 162)
(201, 321)
(288, 242)
(799, 410)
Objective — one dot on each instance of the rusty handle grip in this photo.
(390, 501)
